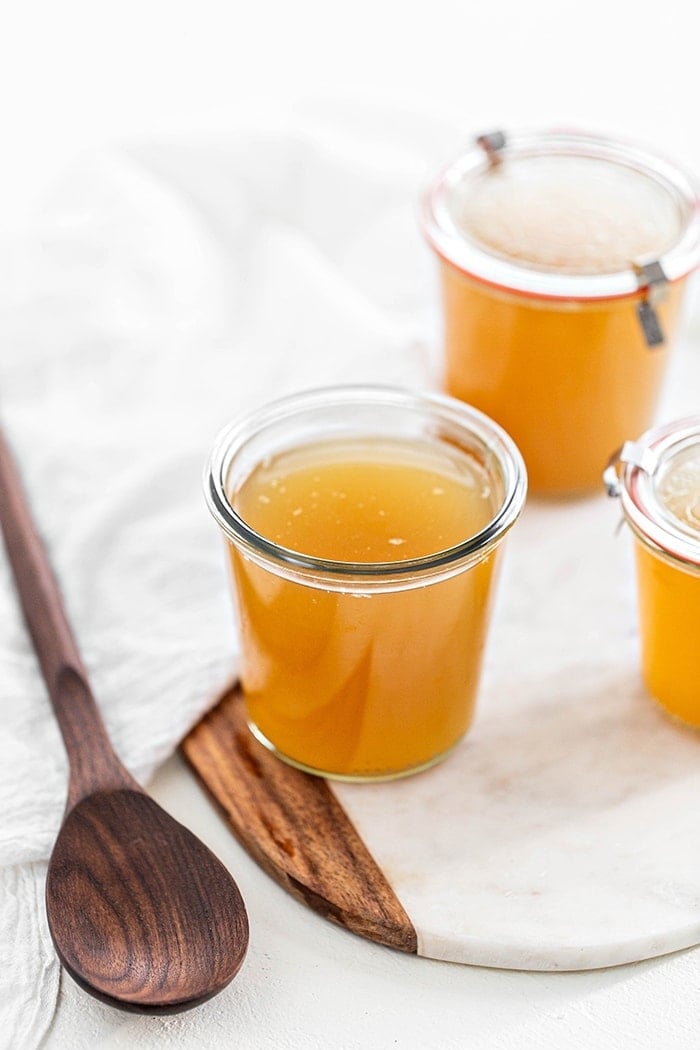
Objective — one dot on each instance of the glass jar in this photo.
(363, 527)
(563, 262)
(658, 481)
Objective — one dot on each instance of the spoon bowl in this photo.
(142, 914)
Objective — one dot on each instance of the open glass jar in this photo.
(563, 261)
(363, 526)
(658, 481)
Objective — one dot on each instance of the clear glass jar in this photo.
(658, 481)
(363, 526)
(563, 262)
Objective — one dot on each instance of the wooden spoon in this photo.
(142, 914)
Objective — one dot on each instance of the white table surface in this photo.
(78, 74)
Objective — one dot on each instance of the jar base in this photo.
(353, 778)
(672, 714)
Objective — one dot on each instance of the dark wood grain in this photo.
(90, 753)
(294, 827)
(142, 914)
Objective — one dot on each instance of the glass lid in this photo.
(659, 485)
(563, 215)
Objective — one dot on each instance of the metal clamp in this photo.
(653, 282)
(492, 142)
(629, 454)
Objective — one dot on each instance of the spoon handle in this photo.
(93, 763)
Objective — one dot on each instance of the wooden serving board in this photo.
(294, 827)
(562, 833)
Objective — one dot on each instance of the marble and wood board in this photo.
(561, 834)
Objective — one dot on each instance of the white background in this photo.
(81, 72)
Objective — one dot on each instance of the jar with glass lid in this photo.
(657, 479)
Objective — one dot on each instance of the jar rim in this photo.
(287, 562)
(455, 247)
(642, 464)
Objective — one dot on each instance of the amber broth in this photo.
(359, 682)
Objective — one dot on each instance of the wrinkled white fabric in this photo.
(167, 286)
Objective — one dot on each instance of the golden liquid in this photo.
(569, 381)
(363, 684)
(669, 599)
(669, 614)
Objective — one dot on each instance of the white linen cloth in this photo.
(167, 286)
